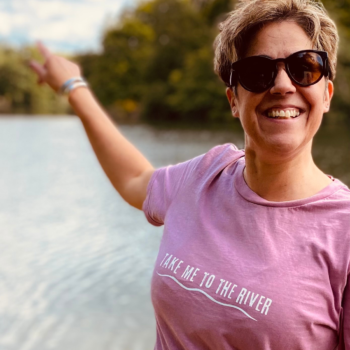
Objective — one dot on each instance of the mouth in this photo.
(283, 113)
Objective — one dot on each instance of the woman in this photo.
(256, 246)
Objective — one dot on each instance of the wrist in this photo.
(77, 93)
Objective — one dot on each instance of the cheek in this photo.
(316, 105)
(249, 116)
(315, 98)
(249, 103)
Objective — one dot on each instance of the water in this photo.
(76, 261)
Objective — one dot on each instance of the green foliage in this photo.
(19, 92)
(340, 12)
(159, 55)
(157, 65)
(212, 10)
(196, 94)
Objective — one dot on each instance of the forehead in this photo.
(279, 40)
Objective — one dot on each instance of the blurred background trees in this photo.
(156, 64)
(156, 67)
(19, 92)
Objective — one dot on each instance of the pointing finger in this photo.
(43, 49)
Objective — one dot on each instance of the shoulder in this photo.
(342, 191)
(168, 182)
(216, 159)
(219, 157)
(197, 169)
(341, 196)
(334, 210)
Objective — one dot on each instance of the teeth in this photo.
(284, 114)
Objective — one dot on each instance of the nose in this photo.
(282, 84)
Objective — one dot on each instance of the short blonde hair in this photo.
(250, 16)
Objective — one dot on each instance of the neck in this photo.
(283, 180)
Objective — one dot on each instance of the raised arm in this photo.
(127, 169)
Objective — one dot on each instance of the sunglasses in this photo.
(258, 73)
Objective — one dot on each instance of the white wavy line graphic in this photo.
(207, 295)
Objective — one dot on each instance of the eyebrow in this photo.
(266, 56)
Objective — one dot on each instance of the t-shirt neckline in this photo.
(247, 193)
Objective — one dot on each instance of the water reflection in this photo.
(76, 261)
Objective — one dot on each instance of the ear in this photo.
(328, 95)
(232, 99)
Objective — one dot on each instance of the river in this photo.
(76, 261)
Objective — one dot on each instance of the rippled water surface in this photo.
(76, 261)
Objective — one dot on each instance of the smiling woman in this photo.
(271, 140)
(255, 252)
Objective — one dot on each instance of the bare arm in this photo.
(127, 169)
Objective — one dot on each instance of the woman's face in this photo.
(280, 138)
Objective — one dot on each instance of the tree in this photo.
(18, 86)
(159, 56)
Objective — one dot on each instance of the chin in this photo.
(283, 147)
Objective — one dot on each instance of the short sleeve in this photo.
(166, 182)
(163, 187)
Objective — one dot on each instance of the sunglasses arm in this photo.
(231, 77)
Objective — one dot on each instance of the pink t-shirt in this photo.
(236, 271)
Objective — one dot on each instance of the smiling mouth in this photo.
(278, 113)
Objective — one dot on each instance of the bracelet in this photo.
(74, 85)
(65, 88)
(68, 82)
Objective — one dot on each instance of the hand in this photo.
(56, 70)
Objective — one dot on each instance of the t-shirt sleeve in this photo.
(166, 182)
(163, 187)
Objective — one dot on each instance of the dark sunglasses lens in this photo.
(306, 67)
(256, 73)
